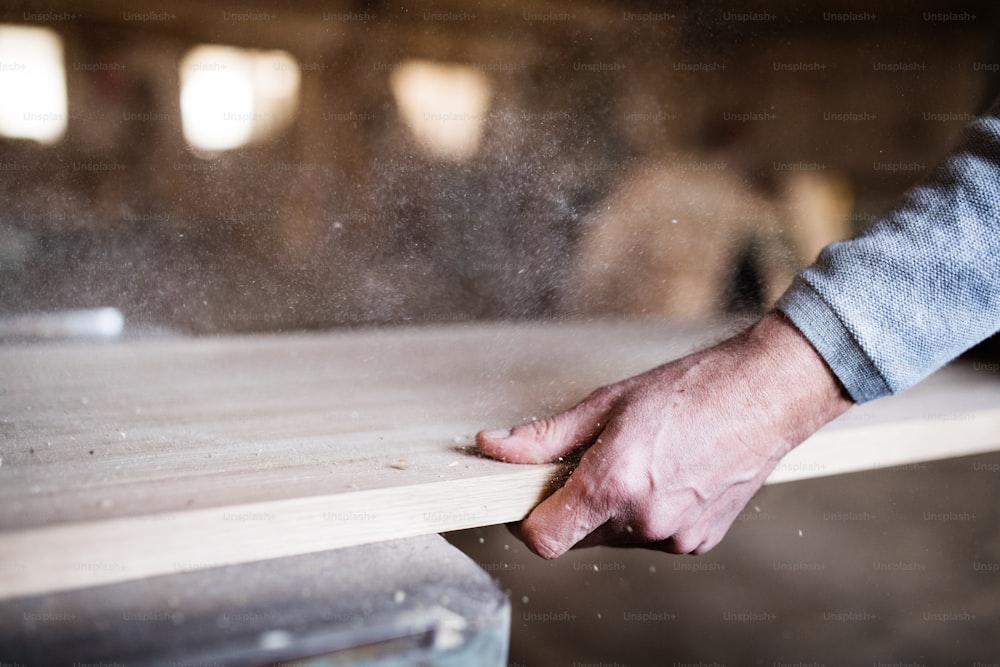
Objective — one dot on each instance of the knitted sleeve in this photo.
(920, 285)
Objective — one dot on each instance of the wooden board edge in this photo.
(81, 555)
(871, 447)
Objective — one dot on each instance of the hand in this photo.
(673, 455)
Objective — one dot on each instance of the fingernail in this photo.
(497, 434)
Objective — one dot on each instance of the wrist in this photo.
(804, 390)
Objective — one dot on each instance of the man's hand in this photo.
(673, 455)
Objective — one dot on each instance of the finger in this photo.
(711, 527)
(625, 529)
(613, 533)
(567, 516)
(546, 439)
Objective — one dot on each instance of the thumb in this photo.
(571, 513)
(546, 439)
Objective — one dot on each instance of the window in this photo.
(32, 84)
(443, 104)
(231, 97)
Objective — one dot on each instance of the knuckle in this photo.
(534, 434)
(703, 548)
(631, 486)
(633, 513)
(603, 397)
(654, 528)
(687, 542)
(541, 429)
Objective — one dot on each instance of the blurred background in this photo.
(264, 166)
(269, 166)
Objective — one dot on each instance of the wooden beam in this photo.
(124, 461)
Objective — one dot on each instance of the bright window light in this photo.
(32, 84)
(443, 104)
(231, 97)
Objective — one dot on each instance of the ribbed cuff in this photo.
(817, 321)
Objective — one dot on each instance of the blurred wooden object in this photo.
(817, 211)
(670, 239)
(130, 460)
(666, 240)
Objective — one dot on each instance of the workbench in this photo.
(130, 464)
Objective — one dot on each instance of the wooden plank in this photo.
(124, 461)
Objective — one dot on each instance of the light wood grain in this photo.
(123, 461)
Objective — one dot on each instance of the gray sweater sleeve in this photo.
(920, 286)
